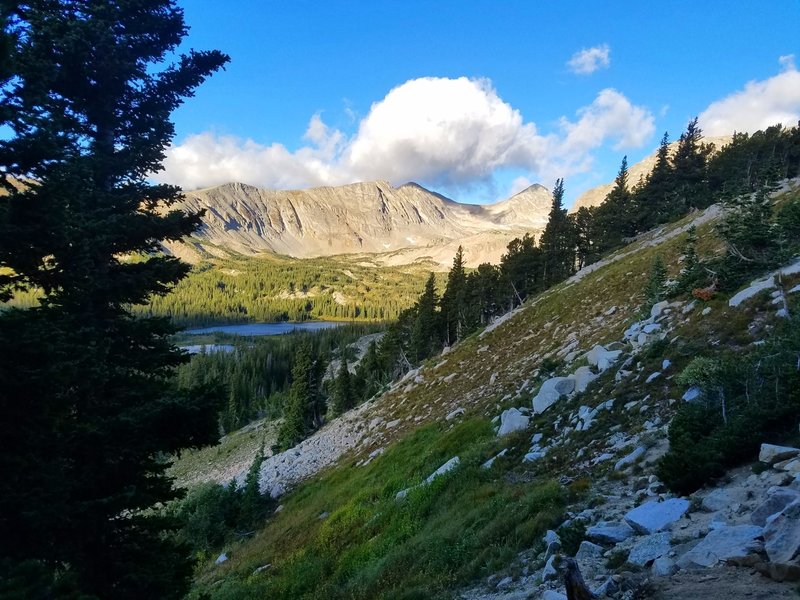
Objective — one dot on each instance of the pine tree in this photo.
(425, 334)
(615, 218)
(690, 170)
(692, 273)
(558, 241)
(749, 232)
(87, 397)
(655, 289)
(521, 269)
(298, 417)
(453, 301)
(343, 398)
(584, 226)
(252, 504)
(656, 202)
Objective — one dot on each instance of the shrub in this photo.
(750, 399)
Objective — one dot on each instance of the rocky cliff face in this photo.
(405, 224)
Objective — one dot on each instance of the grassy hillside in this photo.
(344, 534)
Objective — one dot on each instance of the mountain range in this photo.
(400, 225)
(373, 221)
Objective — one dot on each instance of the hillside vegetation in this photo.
(345, 535)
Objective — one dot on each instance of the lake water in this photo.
(252, 329)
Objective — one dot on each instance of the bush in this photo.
(750, 399)
(571, 536)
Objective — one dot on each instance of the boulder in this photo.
(653, 376)
(512, 420)
(782, 534)
(445, 468)
(609, 533)
(551, 391)
(456, 413)
(549, 572)
(630, 458)
(754, 288)
(649, 548)
(601, 358)
(716, 500)
(488, 464)
(583, 376)
(588, 551)
(664, 567)
(692, 394)
(653, 517)
(651, 328)
(553, 595)
(770, 454)
(724, 543)
(791, 466)
(658, 308)
(778, 499)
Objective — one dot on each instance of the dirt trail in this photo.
(722, 584)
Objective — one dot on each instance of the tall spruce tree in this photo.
(691, 170)
(521, 269)
(426, 330)
(454, 299)
(343, 397)
(88, 401)
(615, 218)
(304, 409)
(655, 202)
(558, 241)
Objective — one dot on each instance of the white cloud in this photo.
(589, 60)
(758, 106)
(453, 134)
(610, 117)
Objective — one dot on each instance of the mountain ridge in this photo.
(406, 223)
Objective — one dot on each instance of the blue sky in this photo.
(473, 98)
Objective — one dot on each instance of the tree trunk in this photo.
(573, 581)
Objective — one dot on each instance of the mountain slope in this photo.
(367, 526)
(372, 217)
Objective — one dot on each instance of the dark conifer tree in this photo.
(690, 170)
(426, 331)
(484, 295)
(584, 226)
(302, 412)
(655, 202)
(87, 397)
(521, 269)
(454, 299)
(343, 398)
(615, 219)
(557, 243)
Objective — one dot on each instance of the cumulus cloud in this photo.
(589, 60)
(450, 133)
(759, 105)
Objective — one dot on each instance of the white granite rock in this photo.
(512, 420)
(653, 517)
(771, 454)
(551, 391)
(723, 544)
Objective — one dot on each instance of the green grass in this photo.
(466, 523)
